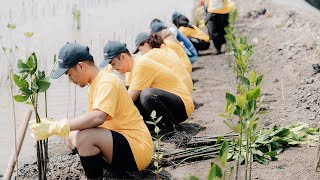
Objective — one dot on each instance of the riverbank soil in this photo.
(286, 43)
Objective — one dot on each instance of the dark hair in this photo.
(154, 40)
(155, 20)
(181, 20)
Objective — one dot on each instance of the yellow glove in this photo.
(49, 127)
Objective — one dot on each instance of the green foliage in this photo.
(11, 26)
(38, 82)
(28, 34)
(158, 155)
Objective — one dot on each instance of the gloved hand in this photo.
(48, 127)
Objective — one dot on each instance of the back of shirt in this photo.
(169, 58)
(147, 73)
(181, 53)
(108, 94)
(220, 6)
(194, 32)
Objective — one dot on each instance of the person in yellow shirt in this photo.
(169, 40)
(217, 15)
(149, 46)
(112, 133)
(199, 39)
(152, 86)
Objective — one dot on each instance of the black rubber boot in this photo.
(92, 166)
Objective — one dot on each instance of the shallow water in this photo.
(53, 25)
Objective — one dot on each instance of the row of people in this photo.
(112, 134)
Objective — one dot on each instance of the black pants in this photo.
(166, 104)
(199, 44)
(216, 24)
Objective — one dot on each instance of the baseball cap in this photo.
(70, 55)
(111, 50)
(157, 27)
(141, 37)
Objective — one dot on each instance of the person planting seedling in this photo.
(112, 133)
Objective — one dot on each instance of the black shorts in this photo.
(122, 158)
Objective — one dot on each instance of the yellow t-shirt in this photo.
(220, 6)
(108, 94)
(147, 73)
(194, 32)
(169, 58)
(180, 51)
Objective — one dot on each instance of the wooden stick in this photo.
(22, 133)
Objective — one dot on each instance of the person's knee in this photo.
(81, 138)
(147, 95)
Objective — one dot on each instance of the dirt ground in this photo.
(286, 45)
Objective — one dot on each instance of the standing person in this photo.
(152, 86)
(217, 19)
(188, 46)
(169, 40)
(199, 39)
(112, 133)
(149, 46)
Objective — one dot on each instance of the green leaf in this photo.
(224, 154)
(20, 98)
(158, 120)
(254, 94)
(156, 130)
(215, 172)
(156, 164)
(230, 98)
(281, 132)
(11, 26)
(28, 34)
(25, 91)
(259, 79)
(219, 139)
(241, 101)
(245, 81)
(23, 68)
(34, 87)
(262, 160)
(32, 62)
(191, 178)
(149, 122)
(20, 82)
(252, 77)
(28, 103)
(43, 85)
(153, 114)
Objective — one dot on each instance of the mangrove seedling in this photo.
(31, 82)
(158, 155)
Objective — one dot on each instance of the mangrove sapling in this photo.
(76, 16)
(31, 82)
(244, 107)
(158, 155)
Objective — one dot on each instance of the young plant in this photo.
(158, 155)
(76, 16)
(28, 36)
(244, 107)
(31, 82)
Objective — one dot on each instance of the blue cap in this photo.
(111, 50)
(175, 15)
(70, 55)
(157, 27)
(141, 37)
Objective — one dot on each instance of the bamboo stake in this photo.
(22, 133)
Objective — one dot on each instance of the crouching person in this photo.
(152, 86)
(112, 133)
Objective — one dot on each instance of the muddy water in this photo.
(53, 25)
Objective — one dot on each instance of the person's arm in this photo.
(88, 120)
(134, 94)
